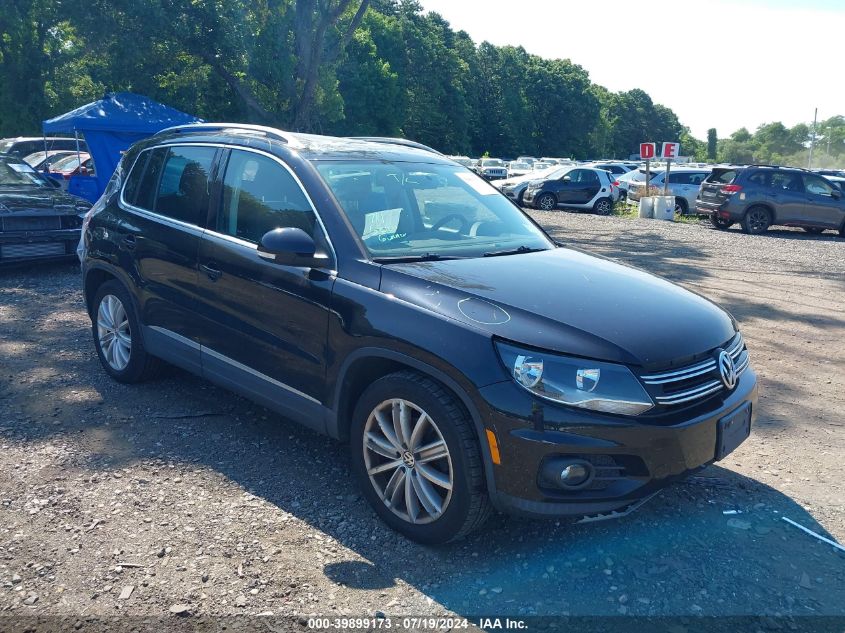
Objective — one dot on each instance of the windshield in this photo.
(15, 173)
(407, 210)
(69, 163)
(492, 162)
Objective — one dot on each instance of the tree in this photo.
(711, 143)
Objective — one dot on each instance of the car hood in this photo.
(39, 201)
(568, 301)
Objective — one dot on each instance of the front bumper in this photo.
(636, 458)
(19, 246)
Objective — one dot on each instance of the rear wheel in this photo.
(756, 220)
(546, 202)
(815, 230)
(603, 206)
(720, 223)
(416, 456)
(117, 336)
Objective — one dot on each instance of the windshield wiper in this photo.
(514, 251)
(404, 259)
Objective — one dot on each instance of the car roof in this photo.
(308, 146)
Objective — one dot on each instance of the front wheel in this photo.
(546, 202)
(603, 206)
(756, 220)
(416, 457)
(681, 206)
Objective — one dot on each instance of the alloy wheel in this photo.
(603, 207)
(547, 202)
(758, 220)
(113, 332)
(408, 461)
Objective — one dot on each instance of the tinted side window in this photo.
(259, 195)
(146, 194)
(760, 178)
(785, 181)
(817, 186)
(130, 189)
(183, 190)
(679, 178)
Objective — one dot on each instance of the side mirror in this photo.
(567, 179)
(836, 194)
(290, 246)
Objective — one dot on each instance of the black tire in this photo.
(815, 230)
(546, 202)
(720, 223)
(681, 206)
(756, 220)
(603, 206)
(141, 366)
(469, 505)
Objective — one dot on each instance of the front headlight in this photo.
(577, 382)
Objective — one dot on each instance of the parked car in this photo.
(759, 196)
(466, 161)
(577, 188)
(839, 181)
(617, 169)
(526, 159)
(25, 145)
(516, 169)
(625, 180)
(72, 165)
(41, 161)
(684, 183)
(492, 168)
(469, 360)
(37, 220)
(514, 186)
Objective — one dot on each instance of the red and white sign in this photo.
(647, 151)
(671, 150)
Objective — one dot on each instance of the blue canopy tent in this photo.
(110, 126)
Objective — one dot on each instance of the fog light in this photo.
(576, 474)
(567, 473)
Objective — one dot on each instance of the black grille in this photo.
(33, 223)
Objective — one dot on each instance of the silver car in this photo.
(684, 183)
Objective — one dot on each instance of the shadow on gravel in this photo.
(652, 252)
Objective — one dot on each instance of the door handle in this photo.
(212, 273)
(130, 241)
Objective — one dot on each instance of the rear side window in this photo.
(183, 189)
(259, 195)
(759, 178)
(785, 181)
(145, 196)
(130, 189)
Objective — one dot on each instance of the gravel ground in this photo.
(178, 495)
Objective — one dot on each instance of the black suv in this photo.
(759, 196)
(376, 291)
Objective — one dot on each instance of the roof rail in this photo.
(395, 141)
(270, 132)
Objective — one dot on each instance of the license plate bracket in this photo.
(733, 429)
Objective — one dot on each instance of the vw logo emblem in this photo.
(408, 458)
(727, 371)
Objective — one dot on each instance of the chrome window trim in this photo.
(194, 227)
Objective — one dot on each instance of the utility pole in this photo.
(813, 140)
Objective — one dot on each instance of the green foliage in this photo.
(775, 143)
(346, 67)
(712, 143)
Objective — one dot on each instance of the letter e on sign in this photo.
(647, 151)
(671, 150)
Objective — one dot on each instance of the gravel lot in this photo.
(136, 499)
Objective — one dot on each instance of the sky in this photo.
(717, 63)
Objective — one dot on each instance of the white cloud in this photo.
(716, 63)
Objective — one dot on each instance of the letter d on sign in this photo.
(647, 151)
